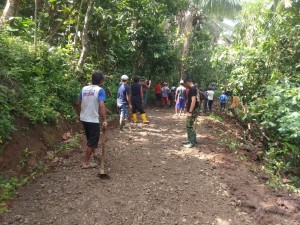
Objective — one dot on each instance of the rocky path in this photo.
(154, 180)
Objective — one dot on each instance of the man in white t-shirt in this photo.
(180, 98)
(90, 99)
(210, 97)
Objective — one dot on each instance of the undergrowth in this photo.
(8, 186)
(40, 88)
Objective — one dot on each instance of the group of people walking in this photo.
(165, 96)
(186, 96)
(134, 97)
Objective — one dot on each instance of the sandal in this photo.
(90, 165)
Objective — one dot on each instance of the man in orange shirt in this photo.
(158, 93)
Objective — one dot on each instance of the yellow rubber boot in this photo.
(134, 117)
(144, 118)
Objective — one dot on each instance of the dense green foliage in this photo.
(39, 88)
(263, 62)
(7, 187)
(198, 63)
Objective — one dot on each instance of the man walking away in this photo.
(172, 96)
(210, 97)
(223, 100)
(157, 93)
(90, 99)
(192, 107)
(146, 84)
(123, 100)
(203, 101)
(137, 101)
(180, 97)
(165, 91)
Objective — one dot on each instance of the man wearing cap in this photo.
(180, 97)
(123, 100)
(192, 108)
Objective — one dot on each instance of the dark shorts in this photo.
(137, 106)
(223, 104)
(92, 133)
(158, 96)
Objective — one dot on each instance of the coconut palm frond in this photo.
(227, 8)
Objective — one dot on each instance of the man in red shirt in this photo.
(158, 93)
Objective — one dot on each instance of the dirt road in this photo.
(154, 180)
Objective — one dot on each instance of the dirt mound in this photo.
(30, 144)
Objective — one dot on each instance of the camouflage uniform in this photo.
(191, 126)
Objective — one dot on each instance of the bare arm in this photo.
(128, 100)
(193, 103)
(176, 93)
(142, 94)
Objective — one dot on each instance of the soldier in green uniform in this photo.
(192, 108)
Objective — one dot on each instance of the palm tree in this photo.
(197, 11)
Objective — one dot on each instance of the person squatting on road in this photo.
(180, 97)
(137, 101)
(192, 108)
(123, 100)
(91, 98)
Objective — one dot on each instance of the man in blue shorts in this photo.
(123, 100)
(91, 98)
(180, 97)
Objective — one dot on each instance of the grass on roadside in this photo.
(216, 118)
(8, 188)
(230, 143)
(65, 148)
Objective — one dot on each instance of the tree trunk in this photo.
(187, 30)
(10, 10)
(59, 25)
(35, 26)
(77, 25)
(85, 38)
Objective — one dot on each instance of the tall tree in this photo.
(194, 16)
(35, 25)
(85, 38)
(10, 10)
